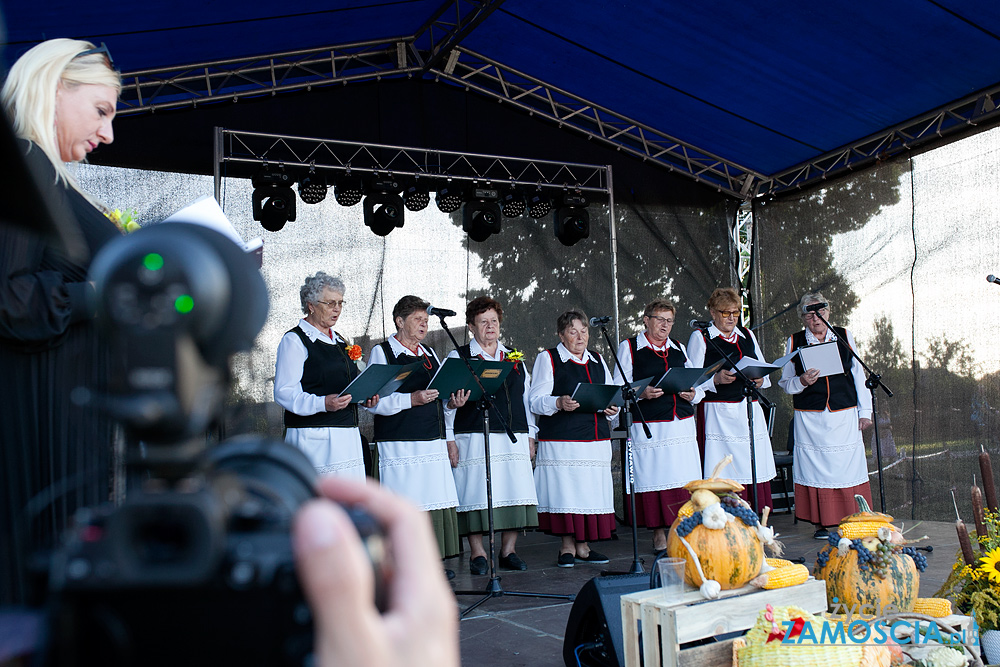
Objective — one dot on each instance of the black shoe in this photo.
(821, 534)
(478, 565)
(513, 562)
(566, 560)
(594, 557)
(449, 573)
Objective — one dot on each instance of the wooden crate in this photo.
(670, 624)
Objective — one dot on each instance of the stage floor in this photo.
(510, 631)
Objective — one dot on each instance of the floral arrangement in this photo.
(515, 356)
(354, 352)
(975, 587)
(124, 221)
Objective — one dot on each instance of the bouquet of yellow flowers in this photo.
(515, 356)
(124, 221)
(975, 587)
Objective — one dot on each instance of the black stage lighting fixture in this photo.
(312, 188)
(383, 206)
(572, 221)
(512, 203)
(348, 189)
(416, 196)
(539, 204)
(273, 199)
(449, 198)
(481, 216)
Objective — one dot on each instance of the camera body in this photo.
(196, 566)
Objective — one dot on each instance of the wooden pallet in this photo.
(670, 624)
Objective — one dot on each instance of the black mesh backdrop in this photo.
(901, 252)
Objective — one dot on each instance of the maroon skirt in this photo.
(582, 527)
(826, 507)
(656, 509)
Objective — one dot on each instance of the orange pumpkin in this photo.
(853, 586)
(732, 555)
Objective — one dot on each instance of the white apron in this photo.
(510, 471)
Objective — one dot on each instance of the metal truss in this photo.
(742, 237)
(951, 119)
(247, 152)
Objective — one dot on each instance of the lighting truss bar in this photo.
(229, 80)
(488, 77)
(450, 24)
(256, 148)
(934, 125)
(742, 238)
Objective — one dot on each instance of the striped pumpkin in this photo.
(731, 556)
(852, 586)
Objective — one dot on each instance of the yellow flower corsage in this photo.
(515, 356)
(124, 221)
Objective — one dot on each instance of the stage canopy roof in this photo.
(750, 98)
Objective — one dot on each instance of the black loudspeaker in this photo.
(596, 621)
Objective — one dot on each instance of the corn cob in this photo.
(861, 529)
(778, 562)
(936, 607)
(686, 510)
(789, 575)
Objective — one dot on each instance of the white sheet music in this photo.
(825, 357)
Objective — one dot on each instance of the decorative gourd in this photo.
(871, 567)
(728, 549)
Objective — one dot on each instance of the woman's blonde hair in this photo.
(29, 92)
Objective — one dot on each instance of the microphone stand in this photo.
(485, 404)
(631, 402)
(873, 382)
(749, 390)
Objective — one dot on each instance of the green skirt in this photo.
(515, 517)
(445, 524)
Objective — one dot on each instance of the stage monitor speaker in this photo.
(596, 620)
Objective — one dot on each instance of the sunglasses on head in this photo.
(102, 49)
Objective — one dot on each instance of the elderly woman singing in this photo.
(410, 426)
(313, 366)
(830, 412)
(573, 464)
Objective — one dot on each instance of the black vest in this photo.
(423, 422)
(741, 347)
(836, 392)
(647, 363)
(575, 425)
(509, 401)
(327, 370)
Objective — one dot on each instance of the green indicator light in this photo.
(184, 304)
(153, 261)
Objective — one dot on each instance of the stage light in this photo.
(572, 221)
(416, 197)
(449, 198)
(383, 206)
(348, 190)
(512, 203)
(539, 204)
(481, 216)
(312, 188)
(273, 199)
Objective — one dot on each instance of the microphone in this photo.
(700, 324)
(814, 307)
(992, 279)
(597, 321)
(440, 312)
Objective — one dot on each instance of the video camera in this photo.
(196, 567)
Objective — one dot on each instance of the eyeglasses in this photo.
(660, 320)
(100, 49)
(728, 313)
(333, 304)
(813, 315)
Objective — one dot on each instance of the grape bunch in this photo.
(881, 559)
(865, 557)
(919, 559)
(688, 524)
(822, 558)
(833, 539)
(730, 500)
(743, 513)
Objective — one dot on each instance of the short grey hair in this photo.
(809, 298)
(312, 288)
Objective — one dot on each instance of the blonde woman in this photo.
(60, 98)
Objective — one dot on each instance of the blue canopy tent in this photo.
(749, 99)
